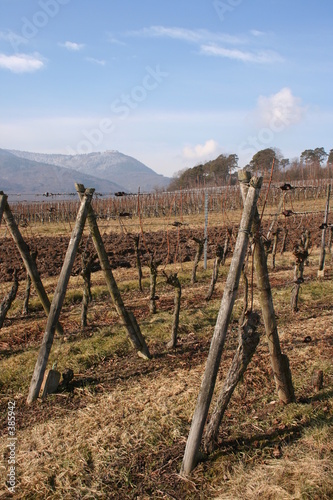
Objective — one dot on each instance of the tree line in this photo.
(312, 164)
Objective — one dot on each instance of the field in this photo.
(119, 430)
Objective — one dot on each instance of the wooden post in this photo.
(87, 260)
(330, 240)
(226, 244)
(29, 263)
(275, 244)
(136, 240)
(58, 297)
(215, 352)
(130, 324)
(279, 361)
(248, 341)
(206, 231)
(323, 234)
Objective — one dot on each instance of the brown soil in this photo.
(174, 246)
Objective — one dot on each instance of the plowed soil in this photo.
(175, 246)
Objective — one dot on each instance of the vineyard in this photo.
(118, 425)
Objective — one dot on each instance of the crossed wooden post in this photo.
(85, 213)
(28, 261)
(127, 317)
(191, 454)
(58, 298)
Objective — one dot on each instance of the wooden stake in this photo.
(87, 260)
(248, 341)
(131, 326)
(206, 231)
(136, 240)
(58, 297)
(323, 234)
(279, 361)
(213, 361)
(29, 263)
(275, 244)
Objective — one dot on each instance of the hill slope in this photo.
(110, 165)
(21, 175)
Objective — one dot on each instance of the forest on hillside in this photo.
(312, 164)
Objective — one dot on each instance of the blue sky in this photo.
(172, 83)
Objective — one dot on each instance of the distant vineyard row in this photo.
(189, 202)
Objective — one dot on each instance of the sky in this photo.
(171, 83)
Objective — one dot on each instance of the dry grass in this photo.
(121, 432)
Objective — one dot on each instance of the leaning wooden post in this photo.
(323, 234)
(128, 319)
(248, 341)
(58, 298)
(279, 361)
(29, 262)
(215, 352)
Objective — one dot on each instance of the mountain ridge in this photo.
(21, 175)
(111, 165)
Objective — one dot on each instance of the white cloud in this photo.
(282, 107)
(22, 63)
(73, 46)
(92, 60)
(212, 44)
(200, 151)
(261, 56)
(192, 36)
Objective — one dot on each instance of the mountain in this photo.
(110, 165)
(21, 175)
